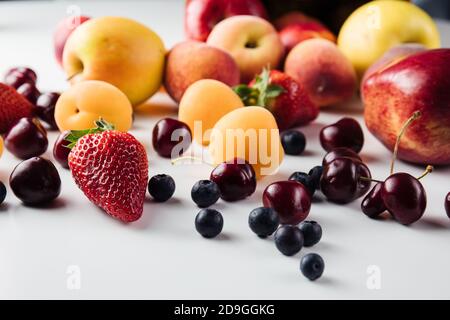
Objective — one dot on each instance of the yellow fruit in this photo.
(117, 50)
(249, 133)
(205, 102)
(377, 26)
(87, 101)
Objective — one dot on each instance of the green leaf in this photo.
(274, 91)
(242, 90)
(101, 125)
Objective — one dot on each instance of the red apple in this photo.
(393, 56)
(202, 15)
(292, 18)
(63, 30)
(295, 33)
(419, 82)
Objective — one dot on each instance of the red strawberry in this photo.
(13, 107)
(111, 168)
(282, 95)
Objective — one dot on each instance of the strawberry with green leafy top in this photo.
(111, 169)
(280, 94)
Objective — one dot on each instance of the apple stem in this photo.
(428, 170)
(369, 179)
(411, 119)
(176, 160)
(72, 76)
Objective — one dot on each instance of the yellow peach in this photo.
(87, 101)
(249, 133)
(204, 103)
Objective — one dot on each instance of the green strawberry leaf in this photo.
(101, 125)
(274, 91)
(243, 91)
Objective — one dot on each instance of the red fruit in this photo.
(290, 199)
(62, 32)
(111, 169)
(298, 32)
(13, 106)
(282, 95)
(202, 15)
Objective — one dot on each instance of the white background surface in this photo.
(161, 255)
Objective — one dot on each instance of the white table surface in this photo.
(161, 255)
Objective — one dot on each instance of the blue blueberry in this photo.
(306, 180)
(209, 223)
(312, 266)
(312, 232)
(205, 193)
(161, 187)
(293, 142)
(315, 174)
(288, 240)
(2, 192)
(263, 221)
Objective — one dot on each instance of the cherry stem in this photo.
(369, 179)
(411, 119)
(428, 170)
(174, 161)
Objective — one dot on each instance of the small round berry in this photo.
(205, 193)
(305, 179)
(289, 240)
(315, 174)
(312, 232)
(293, 142)
(2, 192)
(263, 221)
(161, 187)
(209, 223)
(312, 265)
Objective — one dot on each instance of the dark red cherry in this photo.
(289, 199)
(404, 197)
(27, 138)
(343, 180)
(15, 77)
(35, 181)
(345, 133)
(340, 152)
(236, 179)
(447, 204)
(45, 108)
(169, 133)
(60, 150)
(29, 91)
(372, 204)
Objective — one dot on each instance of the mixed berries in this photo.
(111, 167)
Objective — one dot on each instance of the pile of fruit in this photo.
(243, 84)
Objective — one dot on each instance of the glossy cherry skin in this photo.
(447, 204)
(29, 91)
(345, 133)
(289, 199)
(15, 77)
(35, 181)
(236, 179)
(168, 133)
(60, 150)
(26, 139)
(45, 108)
(372, 204)
(404, 197)
(341, 181)
(338, 153)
